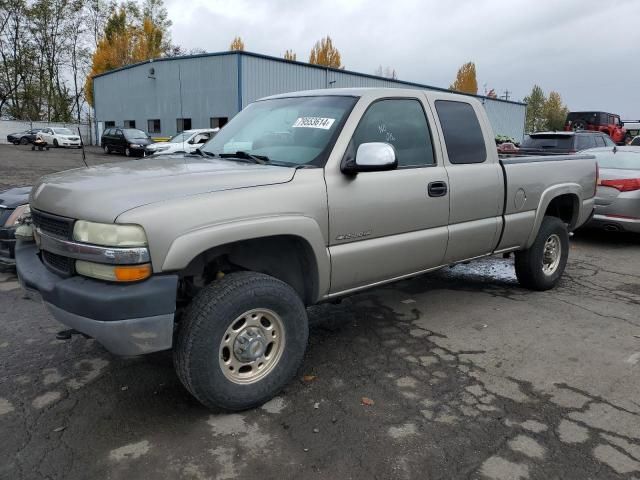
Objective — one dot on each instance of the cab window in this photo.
(401, 123)
(462, 132)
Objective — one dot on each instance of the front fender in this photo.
(545, 199)
(188, 246)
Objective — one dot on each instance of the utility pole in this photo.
(506, 94)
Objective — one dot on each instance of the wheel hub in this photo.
(551, 254)
(250, 345)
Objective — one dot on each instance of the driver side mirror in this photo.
(371, 157)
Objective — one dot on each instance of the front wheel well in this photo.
(286, 257)
(565, 207)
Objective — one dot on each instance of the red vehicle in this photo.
(608, 123)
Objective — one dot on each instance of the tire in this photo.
(127, 152)
(24, 141)
(534, 269)
(55, 143)
(205, 367)
(579, 125)
(106, 149)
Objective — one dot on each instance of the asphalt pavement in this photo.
(459, 374)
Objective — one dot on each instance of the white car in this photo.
(60, 137)
(184, 142)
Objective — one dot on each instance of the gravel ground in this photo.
(456, 374)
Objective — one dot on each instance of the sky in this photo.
(586, 50)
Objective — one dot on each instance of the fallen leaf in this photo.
(59, 429)
(367, 401)
(309, 378)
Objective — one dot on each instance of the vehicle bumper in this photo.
(69, 144)
(613, 223)
(127, 319)
(7, 246)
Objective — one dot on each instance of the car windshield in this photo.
(548, 141)
(625, 160)
(290, 131)
(62, 131)
(134, 133)
(181, 137)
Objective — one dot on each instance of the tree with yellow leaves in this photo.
(290, 55)
(125, 42)
(324, 53)
(237, 44)
(466, 81)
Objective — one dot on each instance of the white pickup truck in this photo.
(302, 198)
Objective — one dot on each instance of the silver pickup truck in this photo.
(302, 198)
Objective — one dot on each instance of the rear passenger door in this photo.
(384, 225)
(475, 178)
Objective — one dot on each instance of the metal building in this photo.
(168, 95)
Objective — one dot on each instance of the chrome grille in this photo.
(61, 227)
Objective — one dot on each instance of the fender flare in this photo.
(188, 246)
(545, 199)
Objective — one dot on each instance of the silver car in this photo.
(618, 194)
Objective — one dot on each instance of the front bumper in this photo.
(127, 319)
(7, 246)
(613, 223)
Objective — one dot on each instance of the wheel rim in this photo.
(551, 254)
(127, 152)
(252, 346)
(106, 149)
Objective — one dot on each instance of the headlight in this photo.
(135, 145)
(109, 234)
(18, 216)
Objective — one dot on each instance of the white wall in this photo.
(14, 126)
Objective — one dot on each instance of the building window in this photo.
(183, 124)
(218, 122)
(109, 124)
(153, 126)
(129, 124)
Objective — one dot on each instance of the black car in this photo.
(13, 203)
(554, 143)
(129, 141)
(23, 138)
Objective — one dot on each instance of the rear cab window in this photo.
(550, 142)
(463, 136)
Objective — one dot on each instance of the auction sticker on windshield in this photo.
(314, 122)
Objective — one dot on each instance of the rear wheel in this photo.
(241, 341)
(541, 266)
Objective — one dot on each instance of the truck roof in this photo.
(368, 91)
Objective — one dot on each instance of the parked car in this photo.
(549, 143)
(302, 198)
(23, 138)
(129, 141)
(633, 129)
(608, 123)
(13, 203)
(60, 137)
(185, 142)
(635, 141)
(618, 194)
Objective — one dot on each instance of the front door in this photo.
(384, 225)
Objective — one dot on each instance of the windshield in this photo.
(548, 141)
(290, 131)
(181, 137)
(625, 160)
(134, 133)
(63, 131)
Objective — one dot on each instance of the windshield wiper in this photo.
(241, 154)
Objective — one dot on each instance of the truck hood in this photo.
(103, 192)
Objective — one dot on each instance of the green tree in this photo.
(555, 112)
(324, 53)
(466, 81)
(535, 119)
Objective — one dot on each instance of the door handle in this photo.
(437, 189)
